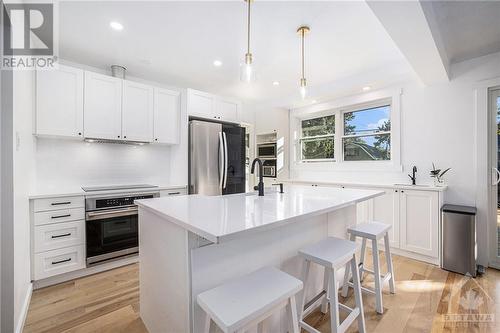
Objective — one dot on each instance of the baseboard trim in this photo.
(24, 310)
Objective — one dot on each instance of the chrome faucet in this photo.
(414, 177)
(260, 186)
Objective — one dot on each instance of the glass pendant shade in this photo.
(303, 92)
(247, 70)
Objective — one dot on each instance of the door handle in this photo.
(495, 177)
(225, 160)
(221, 159)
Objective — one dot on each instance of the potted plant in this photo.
(437, 174)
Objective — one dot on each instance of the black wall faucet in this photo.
(260, 186)
(414, 177)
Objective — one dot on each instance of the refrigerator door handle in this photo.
(221, 159)
(495, 177)
(225, 160)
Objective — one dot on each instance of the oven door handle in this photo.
(109, 214)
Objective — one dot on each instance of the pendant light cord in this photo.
(303, 71)
(248, 27)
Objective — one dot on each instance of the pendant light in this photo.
(247, 71)
(303, 30)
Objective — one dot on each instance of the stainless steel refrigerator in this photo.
(216, 158)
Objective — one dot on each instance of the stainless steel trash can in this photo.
(458, 239)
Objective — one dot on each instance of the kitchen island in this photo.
(189, 244)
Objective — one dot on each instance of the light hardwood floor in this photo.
(427, 299)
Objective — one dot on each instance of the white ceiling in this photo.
(176, 43)
(468, 29)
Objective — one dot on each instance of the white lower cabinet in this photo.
(58, 261)
(58, 236)
(385, 209)
(173, 192)
(419, 220)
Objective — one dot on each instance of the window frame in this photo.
(364, 107)
(391, 96)
(301, 139)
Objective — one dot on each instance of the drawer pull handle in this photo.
(174, 193)
(61, 203)
(63, 235)
(60, 216)
(61, 261)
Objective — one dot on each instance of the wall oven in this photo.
(267, 150)
(111, 224)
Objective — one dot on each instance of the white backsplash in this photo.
(67, 163)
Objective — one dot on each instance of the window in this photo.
(367, 134)
(363, 134)
(317, 138)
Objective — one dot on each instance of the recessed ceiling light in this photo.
(116, 25)
(217, 63)
(366, 88)
(276, 83)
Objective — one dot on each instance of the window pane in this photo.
(368, 148)
(368, 121)
(317, 149)
(318, 126)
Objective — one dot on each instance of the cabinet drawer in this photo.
(58, 235)
(169, 193)
(59, 261)
(41, 205)
(62, 215)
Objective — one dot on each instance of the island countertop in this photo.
(223, 218)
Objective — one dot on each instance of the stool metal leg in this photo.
(345, 287)
(376, 270)
(388, 258)
(334, 302)
(357, 294)
(324, 302)
(292, 310)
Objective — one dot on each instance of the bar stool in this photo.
(247, 301)
(333, 254)
(373, 231)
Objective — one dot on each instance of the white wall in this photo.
(437, 125)
(24, 169)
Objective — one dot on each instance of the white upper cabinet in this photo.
(59, 102)
(167, 113)
(205, 105)
(227, 110)
(137, 112)
(201, 104)
(419, 216)
(102, 106)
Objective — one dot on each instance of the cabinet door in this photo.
(103, 106)
(227, 110)
(167, 112)
(201, 104)
(385, 209)
(419, 222)
(137, 112)
(59, 102)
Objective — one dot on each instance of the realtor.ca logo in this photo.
(29, 36)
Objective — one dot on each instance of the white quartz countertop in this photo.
(223, 218)
(76, 191)
(420, 187)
